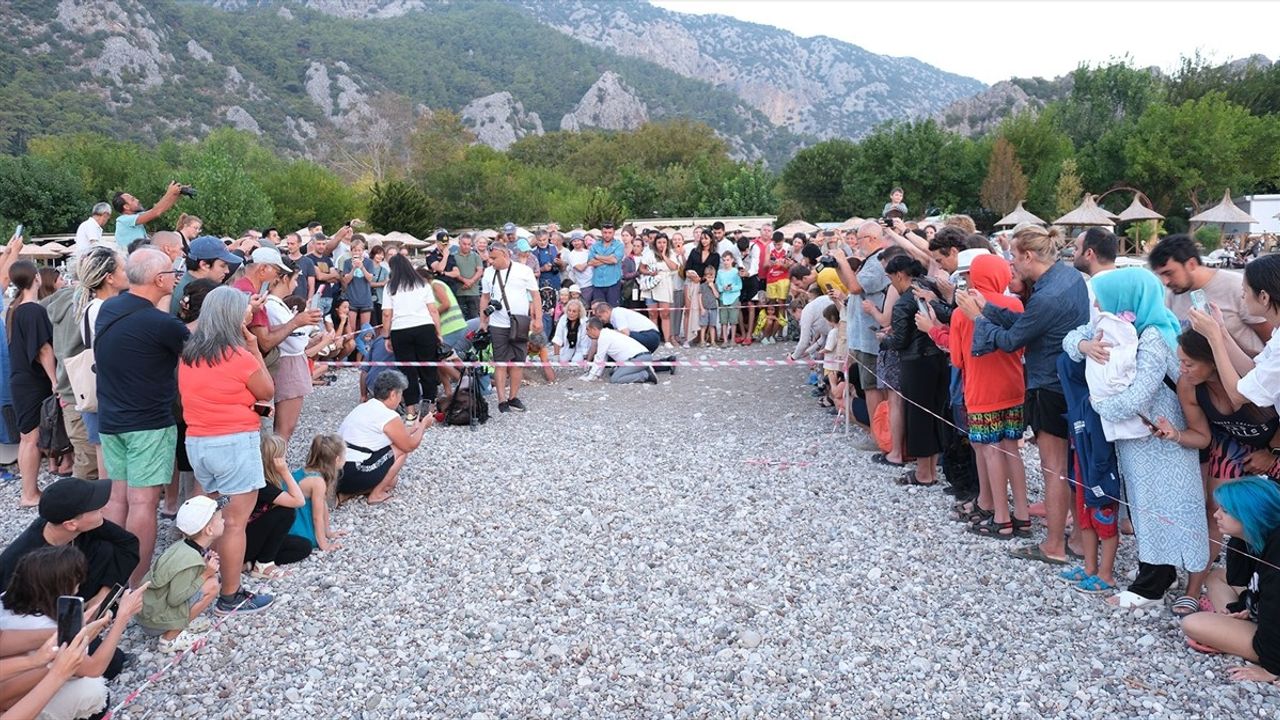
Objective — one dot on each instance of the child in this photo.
(730, 284)
(318, 479)
(833, 356)
(777, 287)
(708, 298)
(266, 536)
(183, 582)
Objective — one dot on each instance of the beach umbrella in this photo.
(1224, 212)
(38, 252)
(1138, 211)
(798, 226)
(1019, 216)
(56, 247)
(1087, 214)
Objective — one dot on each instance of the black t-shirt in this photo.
(110, 551)
(29, 330)
(137, 362)
(306, 269)
(449, 264)
(267, 495)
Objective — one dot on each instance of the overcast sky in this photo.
(992, 41)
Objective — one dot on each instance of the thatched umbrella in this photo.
(38, 252)
(1019, 216)
(1138, 212)
(1224, 212)
(798, 226)
(56, 247)
(1087, 214)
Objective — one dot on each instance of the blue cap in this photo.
(522, 245)
(208, 247)
(509, 229)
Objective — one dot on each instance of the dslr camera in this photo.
(187, 191)
(824, 262)
(494, 306)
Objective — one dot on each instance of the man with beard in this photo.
(1176, 259)
(133, 218)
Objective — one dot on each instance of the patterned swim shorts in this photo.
(989, 428)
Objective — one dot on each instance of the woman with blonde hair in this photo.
(101, 274)
(1059, 303)
(570, 342)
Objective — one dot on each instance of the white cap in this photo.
(195, 514)
(966, 256)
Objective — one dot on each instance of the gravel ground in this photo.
(705, 547)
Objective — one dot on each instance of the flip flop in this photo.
(910, 479)
(883, 459)
(1033, 552)
(1184, 606)
(1093, 585)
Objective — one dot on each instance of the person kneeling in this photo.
(1247, 598)
(611, 345)
(184, 580)
(378, 441)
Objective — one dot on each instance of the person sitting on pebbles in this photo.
(378, 440)
(1245, 615)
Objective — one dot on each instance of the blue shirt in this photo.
(607, 275)
(1059, 303)
(547, 256)
(861, 329)
(128, 230)
(730, 284)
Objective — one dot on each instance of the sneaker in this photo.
(182, 643)
(504, 407)
(653, 377)
(243, 602)
(516, 404)
(668, 345)
(685, 345)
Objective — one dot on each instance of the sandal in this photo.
(1022, 528)
(1074, 575)
(1184, 606)
(268, 571)
(1033, 552)
(1093, 585)
(910, 479)
(1128, 600)
(990, 528)
(969, 512)
(883, 459)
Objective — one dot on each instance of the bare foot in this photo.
(377, 498)
(29, 502)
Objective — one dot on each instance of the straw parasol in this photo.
(798, 226)
(852, 223)
(1224, 212)
(1088, 213)
(56, 247)
(1138, 211)
(38, 252)
(1018, 216)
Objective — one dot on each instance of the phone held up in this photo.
(1199, 301)
(110, 604)
(70, 618)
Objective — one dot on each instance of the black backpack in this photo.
(467, 405)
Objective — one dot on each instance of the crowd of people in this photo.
(177, 365)
(1149, 392)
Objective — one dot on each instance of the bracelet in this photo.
(1179, 440)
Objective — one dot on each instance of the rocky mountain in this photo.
(328, 78)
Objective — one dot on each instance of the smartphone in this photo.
(70, 618)
(111, 602)
(266, 288)
(263, 409)
(1199, 301)
(924, 306)
(1147, 421)
(17, 232)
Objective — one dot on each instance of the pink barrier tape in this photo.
(578, 364)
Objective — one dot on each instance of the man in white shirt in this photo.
(630, 323)
(813, 326)
(613, 346)
(89, 233)
(724, 244)
(514, 286)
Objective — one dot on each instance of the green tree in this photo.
(227, 200)
(812, 184)
(302, 191)
(438, 140)
(1069, 189)
(601, 208)
(1192, 152)
(45, 197)
(938, 170)
(1103, 96)
(748, 190)
(1041, 147)
(399, 205)
(1005, 185)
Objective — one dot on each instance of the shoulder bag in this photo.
(520, 324)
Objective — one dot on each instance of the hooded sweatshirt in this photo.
(993, 381)
(67, 342)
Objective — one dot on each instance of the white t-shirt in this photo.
(363, 426)
(613, 345)
(1226, 290)
(1261, 385)
(623, 319)
(409, 306)
(279, 314)
(580, 277)
(753, 259)
(728, 246)
(87, 235)
(12, 621)
(521, 286)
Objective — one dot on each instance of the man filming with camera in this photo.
(133, 218)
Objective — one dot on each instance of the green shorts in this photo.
(143, 458)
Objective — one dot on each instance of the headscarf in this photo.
(1138, 291)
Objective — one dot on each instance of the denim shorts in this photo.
(227, 464)
(90, 420)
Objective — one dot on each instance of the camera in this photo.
(187, 191)
(494, 306)
(824, 262)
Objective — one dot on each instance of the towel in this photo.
(1117, 374)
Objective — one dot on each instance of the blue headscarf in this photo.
(1137, 290)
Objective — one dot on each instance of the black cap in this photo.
(69, 497)
(606, 225)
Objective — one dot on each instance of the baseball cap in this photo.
(966, 256)
(509, 229)
(208, 247)
(575, 289)
(442, 235)
(522, 245)
(196, 512)
(577, 234)
(268, 256)
(69, 497)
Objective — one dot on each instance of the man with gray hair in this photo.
(136, 348)
(89, 233)
(868, 282)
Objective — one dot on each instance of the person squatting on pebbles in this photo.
(1158, 401)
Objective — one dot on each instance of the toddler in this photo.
(183, 581)
(709, 300)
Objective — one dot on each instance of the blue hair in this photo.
(1255, 502)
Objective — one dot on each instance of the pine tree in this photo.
(1069, 189)
(1005, 185)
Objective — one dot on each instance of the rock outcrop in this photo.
(981, 113)
(607, 105)
(498, 120)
